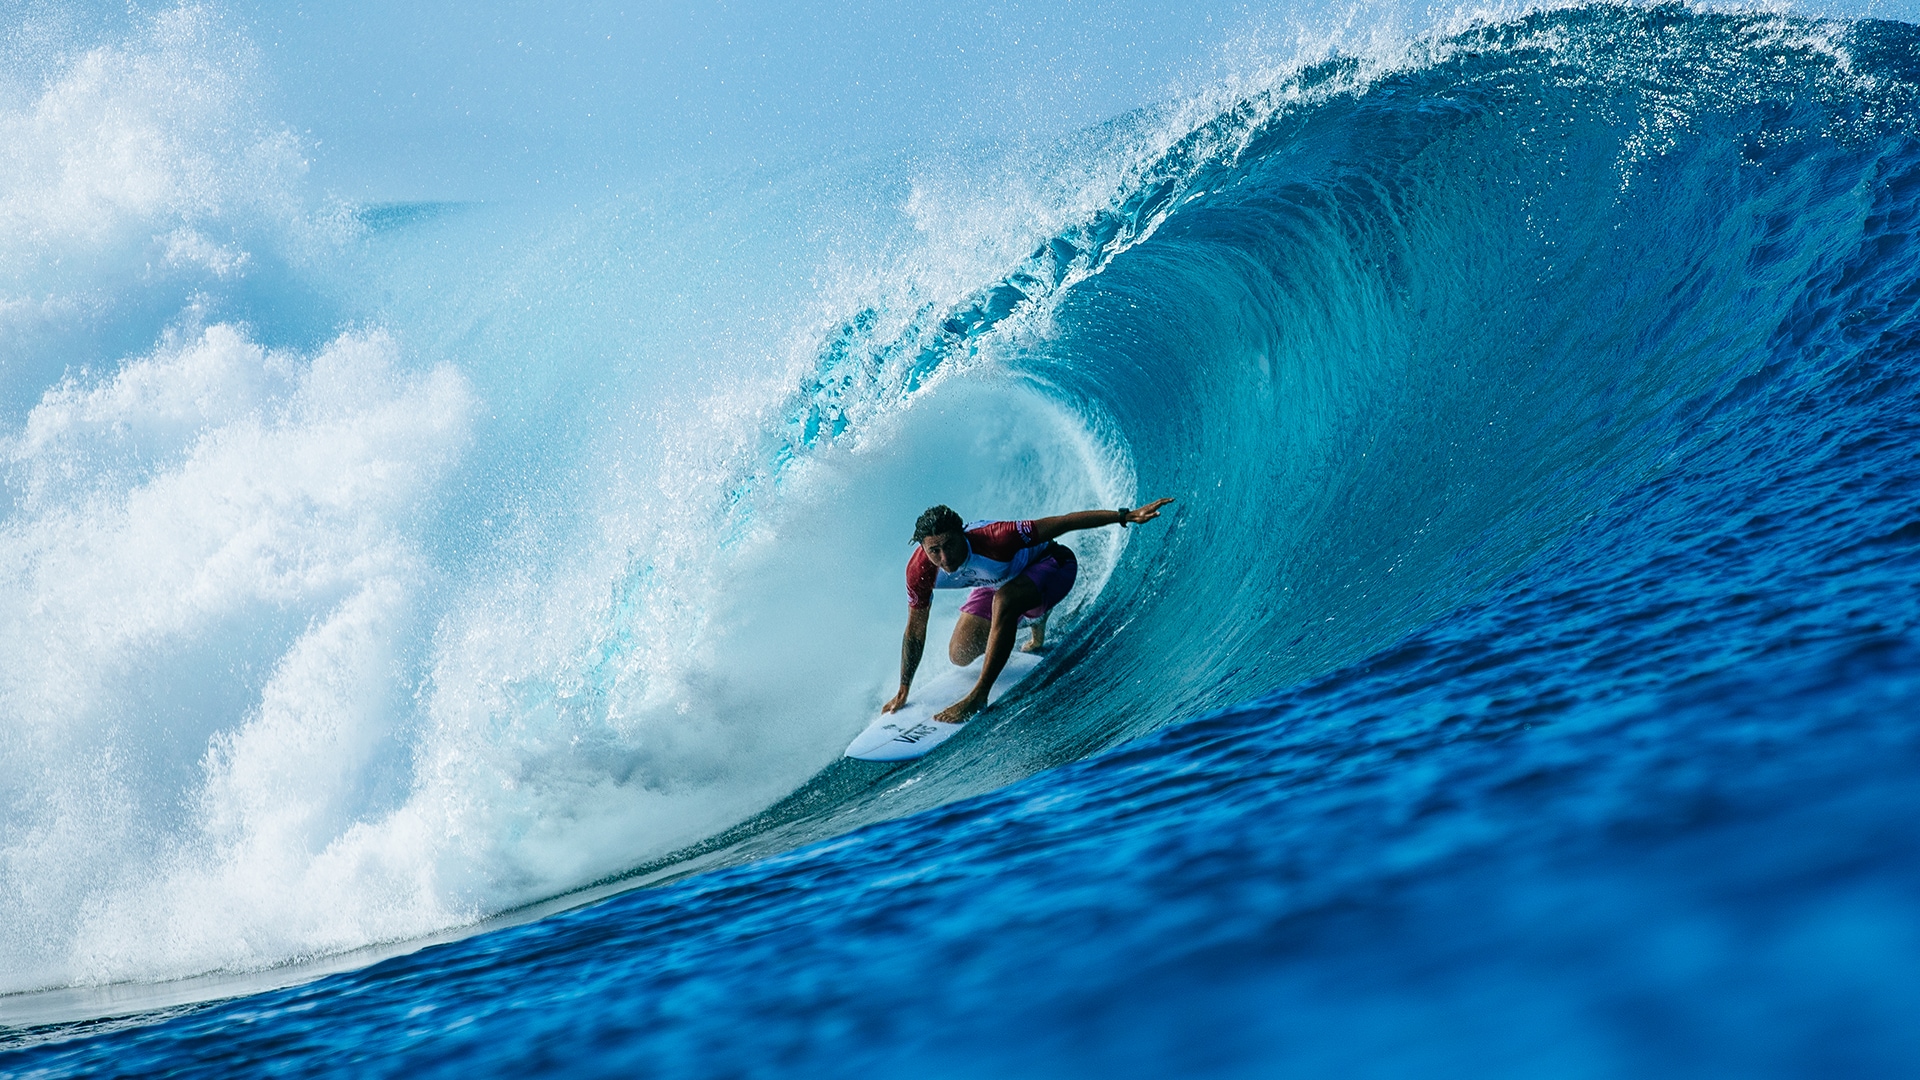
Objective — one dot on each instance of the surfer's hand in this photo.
(1148, 512)
(899, 702)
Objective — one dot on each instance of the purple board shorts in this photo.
(1053, 574)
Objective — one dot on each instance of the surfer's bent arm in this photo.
(1050, 528)
(912, 644)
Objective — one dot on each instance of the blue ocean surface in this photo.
(434, 615)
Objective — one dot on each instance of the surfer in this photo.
(1016, 571)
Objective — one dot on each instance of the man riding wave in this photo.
(1016, 571)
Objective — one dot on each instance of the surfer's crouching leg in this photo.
(969, 637)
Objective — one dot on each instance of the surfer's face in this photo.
(946, 550)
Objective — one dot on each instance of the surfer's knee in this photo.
(1015, 597)
(969, 640)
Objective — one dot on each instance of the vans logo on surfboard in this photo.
(910, 733)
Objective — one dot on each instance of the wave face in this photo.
(1522, 683)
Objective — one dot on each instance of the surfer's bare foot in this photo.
(1037, 637)
(959, 711)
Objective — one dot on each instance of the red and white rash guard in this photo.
(999, 551)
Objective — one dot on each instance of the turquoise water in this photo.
(1521, 685)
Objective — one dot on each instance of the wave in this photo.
(330, 645)
(1392, 328)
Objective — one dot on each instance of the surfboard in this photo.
(912, 732)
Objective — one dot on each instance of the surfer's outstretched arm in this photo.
(1051, 528)
(912, 644)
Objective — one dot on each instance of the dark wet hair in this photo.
(937, 520)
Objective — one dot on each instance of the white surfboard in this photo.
(913, 731)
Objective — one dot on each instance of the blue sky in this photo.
(476, 98)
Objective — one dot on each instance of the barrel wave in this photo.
(1522, 682)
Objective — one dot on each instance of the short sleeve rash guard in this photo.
(999, 551)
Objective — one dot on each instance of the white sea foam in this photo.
(241, 733)
(288, 672)
(142, 154)
(214, 556)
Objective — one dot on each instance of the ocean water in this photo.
(439, 576)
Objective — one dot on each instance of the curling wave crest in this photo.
(320, 638)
